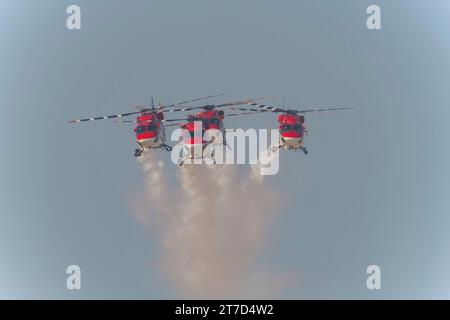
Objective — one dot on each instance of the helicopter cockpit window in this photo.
(286, 127)
(297, 128)
(151, 127)
(140, 129)
(214, 121)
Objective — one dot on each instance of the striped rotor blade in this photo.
(245, 101)
(323, 113)
(120, 115)
(311, 111)
(265, 107)
(124, 121)
(181, 109)
(320, 110)
(249, 109)
(193, 100)
(170, 120)
(173, 124)
(228, 104)
(140, 108)
(242, 113)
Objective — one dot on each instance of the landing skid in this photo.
(208, 160)
(138, 152)
(304, 150)
(182, 160)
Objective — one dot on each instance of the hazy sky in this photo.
(373, 189)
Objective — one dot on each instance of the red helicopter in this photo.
(210, 118)
(150, 129)
(291, 124)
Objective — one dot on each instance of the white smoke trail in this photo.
(156, 193)
(216, 227)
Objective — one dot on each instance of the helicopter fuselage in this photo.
(292, 130)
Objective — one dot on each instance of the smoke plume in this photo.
(212, 228)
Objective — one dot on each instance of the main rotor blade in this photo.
(140, 108)
(319, 110)
(265, 107)
(276, 109)
(229, 104)
(124, 121)
(249, 109)
(192, 100)
(134, 121)
(174, 124)
(169, 120)
(240, 102)
(242, 113)
(120, 115)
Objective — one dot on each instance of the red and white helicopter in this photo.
(210, 119)
(291, 124)
(150, 129)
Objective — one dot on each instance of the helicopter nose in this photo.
(291, 135)
(147, 135)
(149, 142)
(293, 142)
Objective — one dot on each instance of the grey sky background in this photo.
(373, 190)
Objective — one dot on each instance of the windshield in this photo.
(214, 121)
(297, 128)
(140, 129)
(288, 127)
(147, 128)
